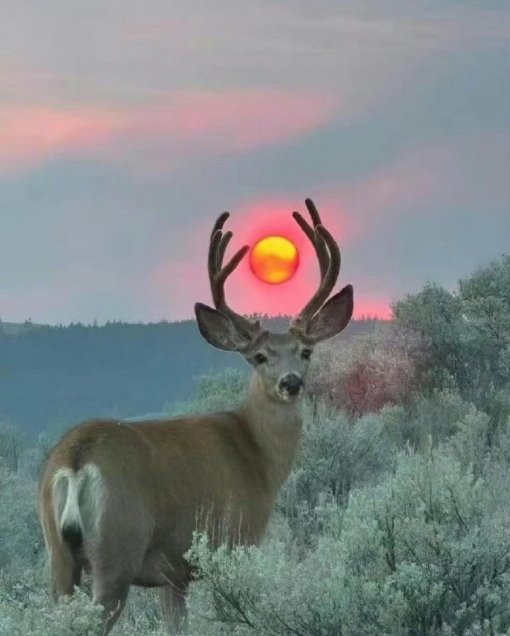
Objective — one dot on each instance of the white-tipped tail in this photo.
(73, 491)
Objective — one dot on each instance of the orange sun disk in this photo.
(274, 259)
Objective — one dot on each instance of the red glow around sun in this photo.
(274, 259)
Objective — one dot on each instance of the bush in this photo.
(21, 544)
(214, 392)
(425, 552)
(26, 609)
(467, 333)
(428, 421)
(338, 453)
(10, 447)
(371, 372)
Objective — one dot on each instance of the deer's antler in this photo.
(328, 254)
(218, 274)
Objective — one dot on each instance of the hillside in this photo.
(51, 377)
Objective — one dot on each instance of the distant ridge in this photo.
(13, 328)
(274, 322)
(51, 377)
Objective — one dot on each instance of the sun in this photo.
(274, 259)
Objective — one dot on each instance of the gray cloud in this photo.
(413, 152)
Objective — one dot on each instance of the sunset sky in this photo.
(127, 127)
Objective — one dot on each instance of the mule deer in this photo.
(121, 500)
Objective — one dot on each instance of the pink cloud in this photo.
(160, 137)
(29, 135)
(236, 120)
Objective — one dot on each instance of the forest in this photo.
(395, 520)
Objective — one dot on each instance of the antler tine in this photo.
(317, 242)
(218, 273)
(220, 222)
(216, 236)
(328, 254)
(222, 247)
(212, 259)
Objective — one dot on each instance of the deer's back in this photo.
(186, 473)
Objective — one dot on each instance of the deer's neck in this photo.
(276, 427)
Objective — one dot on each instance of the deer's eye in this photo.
(260, 358)
(306, 354)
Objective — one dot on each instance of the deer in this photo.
(122, 500)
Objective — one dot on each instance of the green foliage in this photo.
(428, 421)
(21, 543)
(427, 551)
(10, 446)
(339, 453)
(436, 316)
(467, 333)
(33, 459)
(213, 393)
(26, 609)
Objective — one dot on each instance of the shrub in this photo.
(27, 610)
(214, 392)
(426, 552)
(466, 334)
(428, 421)
(10, 446)
(338, 453)
(21, 543)
(369, 373)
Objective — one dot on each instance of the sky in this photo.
(127, 127)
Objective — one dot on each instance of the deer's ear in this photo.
(332, 317)
(219, 330)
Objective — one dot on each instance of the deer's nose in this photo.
(291, 383)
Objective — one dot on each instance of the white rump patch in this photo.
(78, 498)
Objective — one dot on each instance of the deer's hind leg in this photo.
(113, 569)
(173, 608)
(115, 557)
(66, 571)
(65, 564)
(112, 594)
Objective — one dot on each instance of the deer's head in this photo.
(281, 360)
